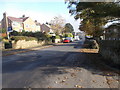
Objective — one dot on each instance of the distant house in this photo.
(38, 26)
(19, 24)
(113, 32)
(45, 28)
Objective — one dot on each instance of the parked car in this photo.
(66, 41)
(70, 38)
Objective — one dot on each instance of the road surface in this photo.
(60, 66)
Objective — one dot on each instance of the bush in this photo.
(14, 33)
(68, 35)
(57, 37)
(16, 38)
(2, 30)
(8, 45)
(39, 35)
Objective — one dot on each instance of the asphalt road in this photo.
(53, 67)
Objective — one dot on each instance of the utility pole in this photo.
(6, 24)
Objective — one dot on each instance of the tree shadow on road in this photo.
(55, 59)
(55, 63)
(94, 63)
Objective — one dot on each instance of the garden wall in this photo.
(1, 45)
(22, 44)
(110, 50)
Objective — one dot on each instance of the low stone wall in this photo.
(110, 50)
(22, 44)
(2, 46)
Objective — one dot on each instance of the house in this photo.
(19, 24)
(112, 32)
(45, 28)
(38, 28)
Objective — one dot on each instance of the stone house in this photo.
(19, 24)
(45, 28)
(38, 28)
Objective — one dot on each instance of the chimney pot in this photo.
(23, 16)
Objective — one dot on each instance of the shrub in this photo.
(2, 30)
(39, 35)
(16, 38)
(57, 37)
(14, 33)
(68, 35)
(8, 45)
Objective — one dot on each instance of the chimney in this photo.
(5, 20)
(35, 20)
(4, 15)
(23, 16)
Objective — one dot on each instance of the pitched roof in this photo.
(24, 18)
(17, 19)
(45, 28)
(37, 23)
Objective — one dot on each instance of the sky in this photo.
(41, 10)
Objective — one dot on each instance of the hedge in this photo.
(16, 38)
(57, 37)
(39, 35)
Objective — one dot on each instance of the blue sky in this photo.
(41, 10)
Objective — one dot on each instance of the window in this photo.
(27, 25)
(33, 26)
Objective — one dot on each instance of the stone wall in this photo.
(110, 50)
(1, 46)
(22, 44)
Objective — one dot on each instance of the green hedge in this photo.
(16, 38)
(67, 35)
(39, 35)
(110, 50)
(8, 45)
(57, 37)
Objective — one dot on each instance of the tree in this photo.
(94, 15)
(57, 24)
(2, 30)
(67, 35)
(68, 28)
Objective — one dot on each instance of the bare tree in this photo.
(57, 24)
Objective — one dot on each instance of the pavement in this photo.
(58, 66)
(8, 52)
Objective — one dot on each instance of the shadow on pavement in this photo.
(54, 64)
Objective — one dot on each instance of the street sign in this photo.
(10, 29)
